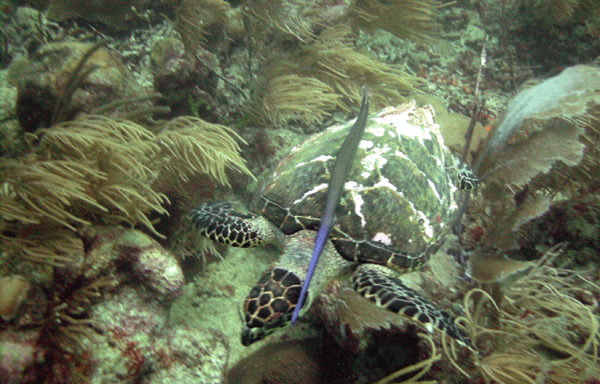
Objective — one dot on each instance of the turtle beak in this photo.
(251, 335)
(253, 331)
(248, 336)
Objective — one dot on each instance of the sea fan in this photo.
(544, 150)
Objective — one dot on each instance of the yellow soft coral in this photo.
(101, 170)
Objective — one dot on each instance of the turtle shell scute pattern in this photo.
(273, 299)
(400, 197)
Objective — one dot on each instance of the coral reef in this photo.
(96, 165)
(49, 342)
(190, 355)
(333, 73)
(564, 11)
(547, 34)
(304, 20)
(544, 327)
(118, 14)
(566, 97)
(332, 60)
(326, 59)
(201, 21)
(75, 176)
(532, 322)
(137, 343)
(117, 295)
(186, 82)
(64, 79)
(13, 291)
(288, 97)
(18, 353)
(412, 19)
(542, 153)
(83, 299)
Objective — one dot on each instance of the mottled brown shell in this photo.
(398, 202)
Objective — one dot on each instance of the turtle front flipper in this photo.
(221, 223)
(390, 293)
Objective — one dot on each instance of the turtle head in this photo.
(270, 304)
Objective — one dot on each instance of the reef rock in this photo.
(52, 86)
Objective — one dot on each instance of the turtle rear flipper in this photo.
(220, 222)
(390, 293)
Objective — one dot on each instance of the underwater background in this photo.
(120, 117)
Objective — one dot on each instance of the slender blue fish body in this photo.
(341, 167)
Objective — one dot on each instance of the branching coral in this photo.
(48, 245)
(545, 327)
(334, 60)
(292, 17)
(326, 74)
(36, 191)
(83, 173)
(101, 170)
(67, 329)
(119, 155)
(196, 20)
(189, 145)
(287, 97)
(326, 59)
(412, 19)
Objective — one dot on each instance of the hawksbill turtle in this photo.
(398, 204)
